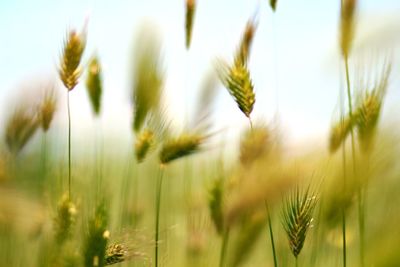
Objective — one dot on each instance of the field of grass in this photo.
(188, 196)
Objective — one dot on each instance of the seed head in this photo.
(70, 69)
(297, 218)
(144, 142)
(94, 84)
(179, 147)
(347, 14)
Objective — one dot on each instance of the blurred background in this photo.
(298, 73)
(295, 53)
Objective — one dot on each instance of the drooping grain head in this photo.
(144, 142)
(297, 218)
(94, 251)
(70, 69)
(369, 110)
(47, 108)
(254, 145)
(273, 3)
(190, 12)
(148, 77)
(339, 133)
(236, 76)
(182, 146)
(347, 18)
(20, 128)
(216, 205)
(237, 80)
(94, 84)
(65, 219)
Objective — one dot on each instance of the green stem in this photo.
(69, 146)
(158, 204)
(44, 158)
(296, 262)
(271, 234)
(224, 246)
(353, 151)
(343, 209)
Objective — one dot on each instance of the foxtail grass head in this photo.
(20, 128)
(339, 132)
(347, 18)
(144, 142)
(179, 147)
(70, 69)
(190, 12)
(369, 109)
(47, 107)
(297, 217)
(94, 84)
(237, 80)
(236, 77)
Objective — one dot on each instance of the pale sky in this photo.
(294, 52)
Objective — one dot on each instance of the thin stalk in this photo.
(343, 211)
(69, 147)
(353, 151)
(44, 156)
(251, 123)
(135, 194)
(224, 246)
(158, 204)
(271, 234)
(296, 262)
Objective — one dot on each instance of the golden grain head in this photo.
(339, 133)
(20, 128)
(70, 69)
(369, 109)
(297, 217)
(182, 146)
(190, 12)
(47, 108)
(144, 142)
(238, 82)
(347, 14)
(94, 84)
